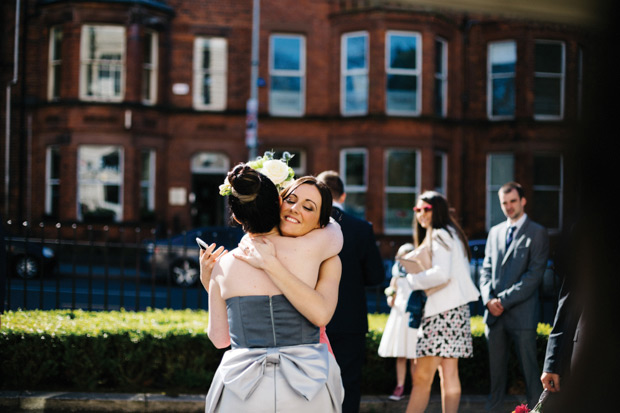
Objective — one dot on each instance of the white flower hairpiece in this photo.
(277, 170)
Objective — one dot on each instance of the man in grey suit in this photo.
(514, 263)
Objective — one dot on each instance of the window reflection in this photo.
(502, 70)
(100, 177)
(401, 187)
(287, 75)
(354, 71)
(103, 66)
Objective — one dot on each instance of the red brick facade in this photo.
(176, 131)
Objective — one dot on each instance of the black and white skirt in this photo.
(446, 334)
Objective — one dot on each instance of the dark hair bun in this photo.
(245, 183)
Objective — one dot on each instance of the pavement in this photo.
(51, 402)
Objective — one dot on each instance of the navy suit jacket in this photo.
(563, 344)
(514, 275)
(361, 266)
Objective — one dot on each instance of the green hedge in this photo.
(380, 373)
(120, 351)
(166, 351)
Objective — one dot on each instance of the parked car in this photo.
(29, 258)
(177, 257)
(476, 247)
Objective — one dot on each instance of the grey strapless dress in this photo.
(276, 363)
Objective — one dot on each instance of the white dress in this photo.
(399, 340)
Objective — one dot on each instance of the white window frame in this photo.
(299, 155)
(561, 76)
(415, 190)
(80, 182)
(344, 72)
(417, 72)
(553, 188)
(492, 189)
(149, 183)
(441, 77)
(117, 65)
(301, 74)
(354, 189)
(54, 64)
(49, 180)
(491, 77)
(444, 172)
(150, 69)
(219, 73)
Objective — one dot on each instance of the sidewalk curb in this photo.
(42, 401)
(99, 402)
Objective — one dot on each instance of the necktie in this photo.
(511, 232)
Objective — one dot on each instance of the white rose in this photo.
(275, 170)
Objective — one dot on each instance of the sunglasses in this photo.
(425, 208)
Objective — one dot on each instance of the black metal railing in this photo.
(102, 267)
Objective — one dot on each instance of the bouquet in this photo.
(277, 170)
(522, 408)
(537, 409)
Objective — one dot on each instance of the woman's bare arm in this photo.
(217, 328)
(208, 258)
(328, 240)
(316, 303)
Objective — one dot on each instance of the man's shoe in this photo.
(398, 393)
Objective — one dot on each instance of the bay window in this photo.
(102, 57)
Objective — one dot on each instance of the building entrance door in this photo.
(208, 206)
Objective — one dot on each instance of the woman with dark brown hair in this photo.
(444, 335)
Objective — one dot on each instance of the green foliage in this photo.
(119, 350)
(169, 351)
(380, 373)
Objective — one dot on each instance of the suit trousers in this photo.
(498, 340)
(350, 352)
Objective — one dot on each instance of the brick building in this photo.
(131, 111)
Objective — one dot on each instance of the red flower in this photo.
(521, 409)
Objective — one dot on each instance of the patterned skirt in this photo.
(447, 334)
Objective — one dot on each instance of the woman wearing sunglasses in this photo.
(444, 335)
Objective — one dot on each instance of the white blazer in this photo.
(449, 263)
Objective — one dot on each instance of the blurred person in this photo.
(563, 343)
(4, 270)
(398, 339)
(445, 332)
(362, 266)
(515, 260)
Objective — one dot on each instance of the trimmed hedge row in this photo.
(380, 373)
(165, 351)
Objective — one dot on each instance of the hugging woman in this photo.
(267, 300)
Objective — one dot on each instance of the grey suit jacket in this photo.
(514, 275)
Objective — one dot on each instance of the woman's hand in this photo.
(208, 258)
(258, 252)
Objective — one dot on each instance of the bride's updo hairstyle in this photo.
(254, 200)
